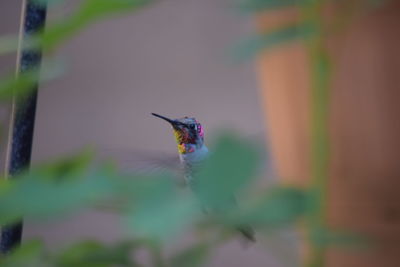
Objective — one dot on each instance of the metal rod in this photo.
(23, 114)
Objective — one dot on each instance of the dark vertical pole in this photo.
(23, 117)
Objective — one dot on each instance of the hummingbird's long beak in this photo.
(164, 118)
(174, 123)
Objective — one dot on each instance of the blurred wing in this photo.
(143, 162)
(140, 163)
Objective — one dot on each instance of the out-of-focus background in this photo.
(322, 92)
(170, 58)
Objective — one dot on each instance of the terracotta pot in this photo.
(364, 178)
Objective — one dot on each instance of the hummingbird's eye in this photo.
(192, 126)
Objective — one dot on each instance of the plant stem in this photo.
(320, 77)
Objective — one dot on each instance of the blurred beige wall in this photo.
(171, 58)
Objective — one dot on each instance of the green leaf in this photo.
(266, 5)
(277, 207)
(194, 256)
(323, 237)
(55, 189)
(93, 9)
(229, 169)
(22, 84)
(160, 210)
(58, 32)
(67, 168)
(89, 12)
(377, 3)
(96, 254)
(73, 183)
(29, 254)
(18, 85)
(272, 39)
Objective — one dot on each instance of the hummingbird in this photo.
(189, 136)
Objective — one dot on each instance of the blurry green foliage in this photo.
(276, 207)
(29, 254)
(324, 237)
(302, 30)
(194, 256)
(312, 28)
(96, 254)
(271, 39)
(174, 210)
(21, 85)
(266, 5)
(229, 169)
(56, 33)
(52, 189)
(153, 208)
(88, 253)
(89, 12)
